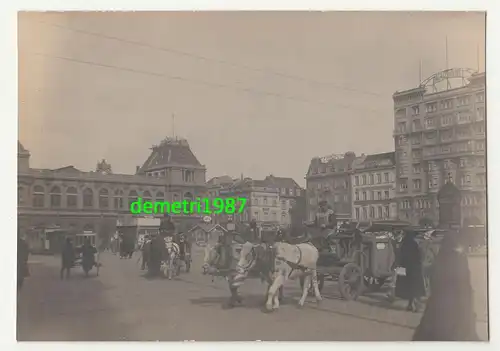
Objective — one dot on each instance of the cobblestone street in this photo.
(121, 304)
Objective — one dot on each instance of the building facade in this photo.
(329, 179)
(440, 137)
(269, 201)
(291, 200)
(80, 201)
(374, 188)
(262, 201)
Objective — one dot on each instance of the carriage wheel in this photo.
(351, 281)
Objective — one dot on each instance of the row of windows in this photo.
(290, 191)
(187, 175)
(445, 135)
(265, 201)
(375, 195)
(418, 203)
(443, 105)
(332, 169)
(466, 200)
(449, 103)
(336, 199)
(71, 195)
(335, 184)
(461, 147)
(372, 179)
(372, 212)
(273, 216)
(446, 120)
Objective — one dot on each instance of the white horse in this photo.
(291, 262)
(169, 263)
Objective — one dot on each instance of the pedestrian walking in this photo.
(411, 286)
(449, 314)
(67, 258)
(22, 261)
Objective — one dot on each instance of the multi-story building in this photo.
(214, 187)
(374, 188)
(261, 196)
(291, 196)
(262, 201)
(440, 137)
(329, 179)
(93, 201)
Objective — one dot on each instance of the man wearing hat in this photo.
(325, 217)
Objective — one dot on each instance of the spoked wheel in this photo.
(351, 281)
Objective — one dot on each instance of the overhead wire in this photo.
(198, 82)
(219, 61)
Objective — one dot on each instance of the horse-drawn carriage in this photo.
(175, 254)
(364, 259)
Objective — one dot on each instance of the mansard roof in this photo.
(386, 159)
(171, 151)
(282, 182)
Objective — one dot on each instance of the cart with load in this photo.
(359, 259)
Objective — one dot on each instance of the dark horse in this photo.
(264, 269)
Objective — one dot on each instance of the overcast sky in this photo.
(234, 95)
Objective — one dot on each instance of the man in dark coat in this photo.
(88, 255)
(22, 261)
(411, 286)
(67, 257)
(449, 314)
(156, 254)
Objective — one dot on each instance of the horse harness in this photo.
(296, 265)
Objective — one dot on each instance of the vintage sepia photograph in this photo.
(252, 175)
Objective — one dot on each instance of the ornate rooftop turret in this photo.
(103, 167)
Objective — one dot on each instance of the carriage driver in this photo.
(325, 218)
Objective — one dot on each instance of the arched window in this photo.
(20, 195)
(188, 196)
(39, 196)
(146, 196)
(118, 200)
(55, 197)
(71, 197)
(89, 227)
(160, 196)
(88, 198)
(175, 198)
(132, 196)
(103, 198)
